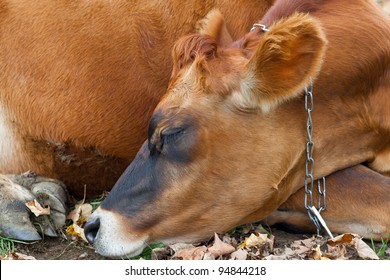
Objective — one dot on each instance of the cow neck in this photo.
(309, 181)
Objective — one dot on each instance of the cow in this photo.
(79, 82)
(227, 142)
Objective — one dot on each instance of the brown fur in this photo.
(345, 204)
(87, 75)
(244, 145)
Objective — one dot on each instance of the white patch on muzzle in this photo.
(113, 238)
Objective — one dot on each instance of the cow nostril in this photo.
(91, 229)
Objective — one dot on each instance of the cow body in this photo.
(229, 138)
(80, 79)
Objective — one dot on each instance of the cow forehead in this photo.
(218, 76)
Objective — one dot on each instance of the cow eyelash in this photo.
(171, 135)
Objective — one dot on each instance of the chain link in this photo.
(313, 212)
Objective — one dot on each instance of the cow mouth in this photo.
(105, 232)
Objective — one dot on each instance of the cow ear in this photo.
(287, 58)
(213, 24)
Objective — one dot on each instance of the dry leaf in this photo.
(318, 255)
(220, 248)
(254, 240)
(336, 252)
(345, 238)
(196, 253)
(81, 213)
(240, 254)
(275, 258)
(76, 231)
(160, 253)
(17, 256)
(181, 246)
(364, 251)
(309, 242)
(208, 256)
(303, 246)
(37, 208)
(283, 254)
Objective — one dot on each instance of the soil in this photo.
(63, 248)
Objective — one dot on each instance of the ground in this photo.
(284, 246)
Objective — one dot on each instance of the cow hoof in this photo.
(16, 220)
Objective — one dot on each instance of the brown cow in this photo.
(226, 144)
(79, 81)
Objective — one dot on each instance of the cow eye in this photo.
(172, 135)
(178, 143)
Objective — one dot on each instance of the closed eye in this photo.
(171, 135)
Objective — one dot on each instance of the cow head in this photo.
(224, 142)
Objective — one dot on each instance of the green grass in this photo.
(383, 247)
(97, 201)
(7, 246)
(239, 231)
(147, 252)
(263, 230)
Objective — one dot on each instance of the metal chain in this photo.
(262, 26)
(313, 212)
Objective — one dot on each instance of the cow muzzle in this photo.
(105, 232)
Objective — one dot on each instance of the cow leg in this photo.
(381, 163)
(16, 221)
(358, 201)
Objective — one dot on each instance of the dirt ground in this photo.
(64, 248)
(284, 248)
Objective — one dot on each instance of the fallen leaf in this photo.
(229, 240)
(309, 242)
(220, 248)
(364, 251)
(17, 256)
(282, 254)
(317, 253)
(336, 252)
(275, 258)
(254, 240)
(240, 254)
(76, 231)
(37, 208)
(83, 256)
(181, 246)
(345, 238)
(196, 253)
(303, 246)
(81, 213)
(208, 256)
(160, 253)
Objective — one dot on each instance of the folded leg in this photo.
(358, 201)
